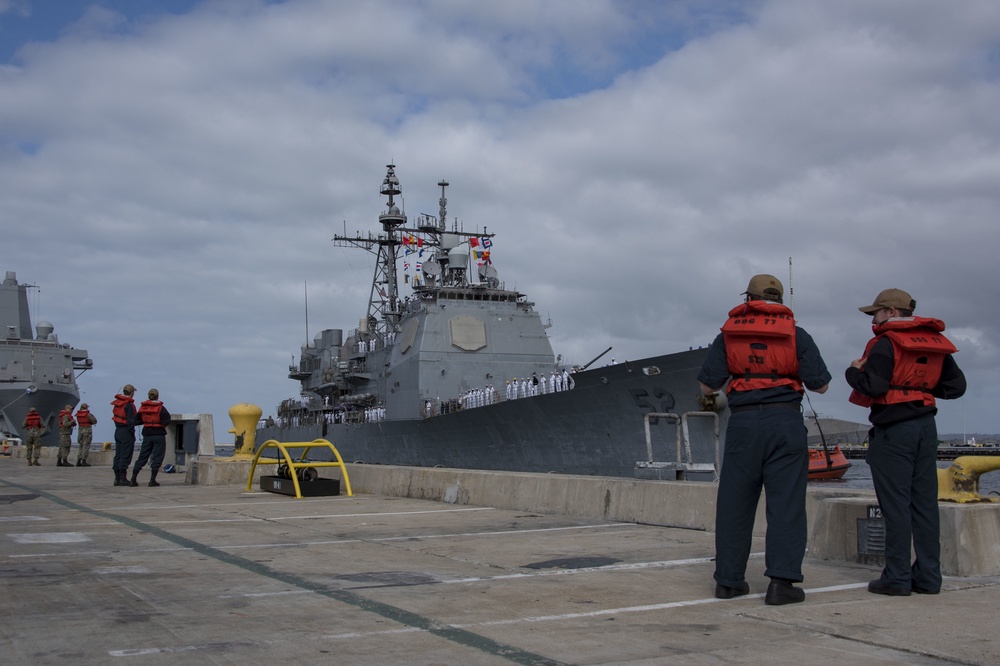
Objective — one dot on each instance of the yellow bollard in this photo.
(245, 418)
(960, 482)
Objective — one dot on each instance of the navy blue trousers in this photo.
(765, 449)
(155, 445)
(124, 448)
(903, 460)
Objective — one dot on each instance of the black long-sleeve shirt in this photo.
(874, 380)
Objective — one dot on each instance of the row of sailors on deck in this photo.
(478, 397)
(371, 344)
(373, 414)
(523, 388)
(517, 388)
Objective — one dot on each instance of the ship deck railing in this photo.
(683, 464)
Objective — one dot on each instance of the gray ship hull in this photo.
(596, 428)
(47, 401)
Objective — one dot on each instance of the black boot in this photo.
(79, 463)
(83, 463)
(133, 482)
(118, 477)
(152, 477)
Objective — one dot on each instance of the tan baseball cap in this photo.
(765, 286)
(129, 389)
(890, 298)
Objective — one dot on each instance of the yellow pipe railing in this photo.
(294, 465)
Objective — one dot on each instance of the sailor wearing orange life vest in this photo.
(123, 414)
(766, 360)
(33, 441)
(905, 368)
(85, 421)
(154, 418)
(66, 425)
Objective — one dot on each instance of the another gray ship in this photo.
(37, 371)
(461, 372)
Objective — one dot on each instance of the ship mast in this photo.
(383, 303)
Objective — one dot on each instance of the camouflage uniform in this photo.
(85, 434)
(66, 424)
(32, 442)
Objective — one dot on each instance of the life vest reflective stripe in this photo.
(760, 347)
(33, 420)
(83, 418)
(63, 416)
(919, 350)
(118, 408)
(149, 413)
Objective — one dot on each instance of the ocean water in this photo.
(860, 476)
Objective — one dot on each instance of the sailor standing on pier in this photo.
(84, 434)
(905, 367)
(123, 414)
(33, 442)
(154, 418)
(66, 425)
(767, 360)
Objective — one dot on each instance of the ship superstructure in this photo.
(458, 332)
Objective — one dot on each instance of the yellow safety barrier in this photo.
(294, 465)
(960, 482)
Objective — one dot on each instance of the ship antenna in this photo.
(443, 201)
(791, 289)
(305, 286)
(819, 428)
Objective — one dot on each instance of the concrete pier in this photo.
(970, 532)
(419, 568)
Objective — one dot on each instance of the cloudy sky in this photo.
(172, 173)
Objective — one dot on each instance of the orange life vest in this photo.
(83, 418)
(918, 351)
(33, 420)
(149, 413)
(760, 347)
(68, 414)
(118, 408)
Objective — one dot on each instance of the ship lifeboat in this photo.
(827, 463)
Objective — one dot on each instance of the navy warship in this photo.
(35, 371)
(460, 371)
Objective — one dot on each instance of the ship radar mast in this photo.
(383, 303)
(384, 306)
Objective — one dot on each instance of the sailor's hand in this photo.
(858, 363)
(707, 401)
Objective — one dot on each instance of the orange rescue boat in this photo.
(827, 463)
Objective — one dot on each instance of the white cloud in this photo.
(172, 181)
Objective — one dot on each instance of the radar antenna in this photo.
(383, 302)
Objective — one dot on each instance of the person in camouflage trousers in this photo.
(85, 435)
(33, 442)
(66, 425)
